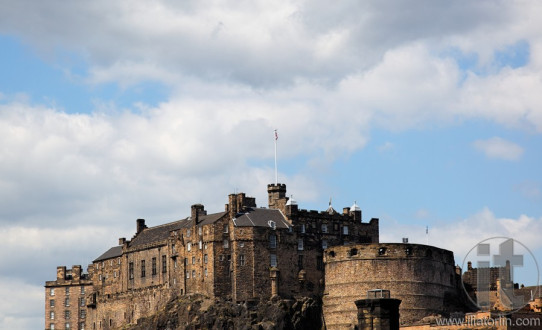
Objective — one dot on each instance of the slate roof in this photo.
(113, 252)
(161, 232)
(260, 218)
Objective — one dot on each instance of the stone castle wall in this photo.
(423, 277)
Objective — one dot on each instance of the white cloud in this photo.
(499, 148)
(19, 304)
(461, 235)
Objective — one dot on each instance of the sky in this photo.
(427, 114)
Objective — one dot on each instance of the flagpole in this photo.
(276, 175)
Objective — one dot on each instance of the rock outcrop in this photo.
(199, 312)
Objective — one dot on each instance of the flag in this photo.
(427, 229)
(276, 135)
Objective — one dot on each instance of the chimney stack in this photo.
(140, 225)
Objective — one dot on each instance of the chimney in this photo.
(232, 205)
(76, 272)
(61, 273)
(122, 240)
(195, 211)
(140, 225)
(346, 210)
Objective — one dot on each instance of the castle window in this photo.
(241, 244)
(100, 277)
(345, 230)
(67, 291)
(226, 244)
(324, 244)
(82, 313)
(52, 326)
(82, 302)
(226, 229)
(319, 263)
(332, 254)
(205, 246)
(175, 263)
(67, 326)
(52, 291)
(205, 270)
(82, 326)
(205, 258)
(143, 268)
(353, 252)
(273, 259)
(200, 245)
(200, 231)
(189, 246)
(300, 244)
(164, 264)
(272, 224)
(300, 261)
(173, 248)
(242, 260)
(193, 260)
(82, 290)
(131, 270)
(153, 266)
(67, 315)
(67, 302)
(52, 315)
(381, 251)
(272, 241)
(408, 251)
(187, 274)
(302, 228)
(188, 233)
(324, 228)
(193, 274)
(185, 261)
(221, 257)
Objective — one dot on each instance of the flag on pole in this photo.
(276, 135)
(427, 229)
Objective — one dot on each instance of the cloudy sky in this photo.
(427, 113)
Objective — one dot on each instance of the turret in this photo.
(277, 196)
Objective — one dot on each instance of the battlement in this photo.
(388, 251)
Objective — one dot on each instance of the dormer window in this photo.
(226, 229)
(272, 224)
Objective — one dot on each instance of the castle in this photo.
(243, 253)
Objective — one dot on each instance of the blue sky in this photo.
(113, 112)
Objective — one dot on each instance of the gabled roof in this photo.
(260, 218)
(161, 232)
(113, 252)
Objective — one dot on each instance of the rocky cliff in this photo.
(199, 312)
